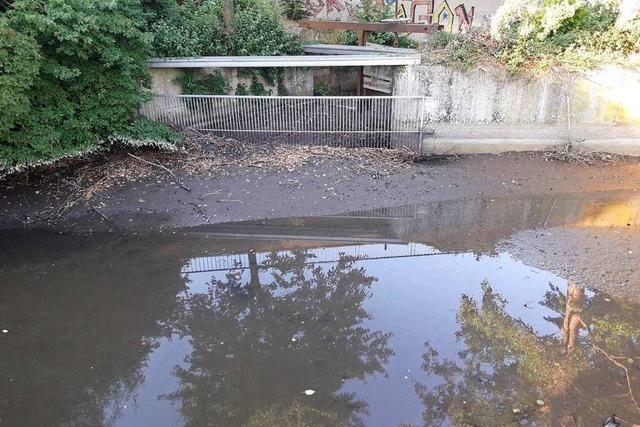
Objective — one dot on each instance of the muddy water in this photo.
(467, 312)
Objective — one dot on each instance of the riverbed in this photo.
(475, 291)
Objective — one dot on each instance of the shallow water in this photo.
(467, 312)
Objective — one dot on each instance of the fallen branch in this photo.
(231, 200)
(626, 372)
(166, 169)
(106, 218)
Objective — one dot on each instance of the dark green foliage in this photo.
(194, 29)
(295, 9)
(19, 66)
(143, 129)
(323, 89)
(259, 31)
(194, 83)
(241, 90)
(91, 73)
(257, 88)
(73, 72)
(575, 34)
(368, 12)
(188, 29)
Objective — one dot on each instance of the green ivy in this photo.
(195, 83)
(323, 88)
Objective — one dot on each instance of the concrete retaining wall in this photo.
(295, 81)
(487, 111)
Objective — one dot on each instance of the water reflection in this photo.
(80, 332)
(508, 373)
(518, 301)
(260, 341)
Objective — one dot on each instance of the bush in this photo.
(194, 83)
(574, 33)
(368, 12)
(90, 75)
(295, 9)
(188, 29)
(19, 66)
(323, 89)
(258, 31)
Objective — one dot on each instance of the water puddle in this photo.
(469, 312)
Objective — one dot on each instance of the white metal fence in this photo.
(347, 121)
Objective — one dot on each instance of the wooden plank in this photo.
(392, 27)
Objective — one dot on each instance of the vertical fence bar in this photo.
(375, 122)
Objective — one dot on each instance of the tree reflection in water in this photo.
(258, 346)
(506, 368)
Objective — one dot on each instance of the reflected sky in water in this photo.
(468, 312)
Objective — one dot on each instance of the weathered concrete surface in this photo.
(486, 111)
(295, 81)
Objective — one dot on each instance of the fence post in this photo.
(422, 102)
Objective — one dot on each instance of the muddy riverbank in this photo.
(151, 190)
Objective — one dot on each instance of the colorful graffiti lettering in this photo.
(444, 16)
(464, 19)
(457, 19)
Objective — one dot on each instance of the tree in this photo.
(506, 366)
(258, 346)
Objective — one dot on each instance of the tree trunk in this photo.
(572, 319)
(227, 21)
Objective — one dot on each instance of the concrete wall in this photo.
(295, 81)
(487, 111)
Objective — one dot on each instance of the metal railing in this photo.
(320, 256)
(345, 121)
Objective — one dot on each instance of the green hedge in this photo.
(73, 72)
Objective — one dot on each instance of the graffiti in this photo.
(336, 10)
(429, 12)
(402, 12)
(464, 19)
(458, 19)
(444, 16)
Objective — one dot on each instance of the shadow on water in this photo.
(466, 312)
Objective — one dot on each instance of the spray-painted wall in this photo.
(454, 15)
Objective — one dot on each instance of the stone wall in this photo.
(485, 110)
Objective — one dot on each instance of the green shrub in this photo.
(574, 33)
(323, 88)
(295, 9)
(188, 29)
(143, 132)
(241, 90)
(90, 80)
(461, 50)
(195, 83)
(19, 66)
(368, 12)
(258, 31)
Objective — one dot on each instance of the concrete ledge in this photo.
(625, 147)
(495, 138)
(488, 146)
